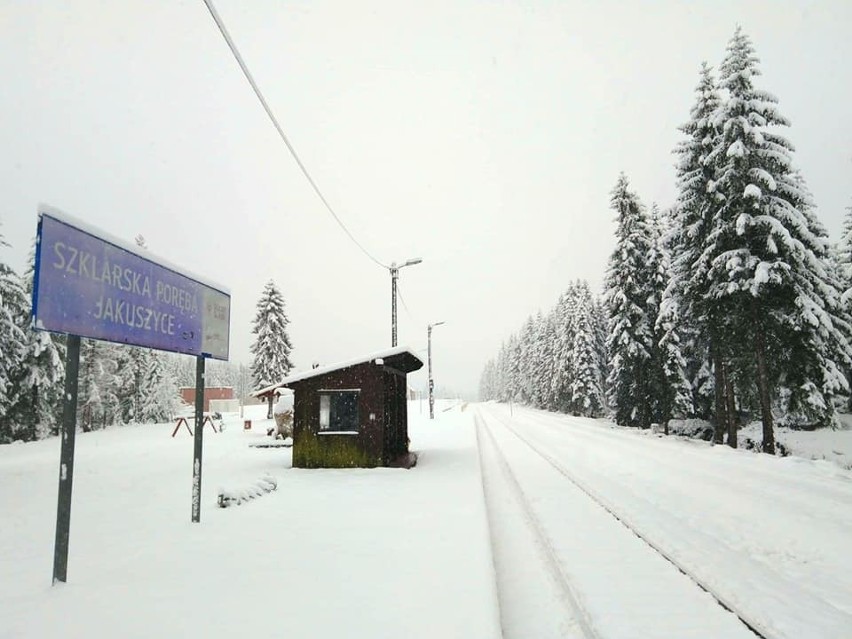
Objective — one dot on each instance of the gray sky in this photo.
(483, 137)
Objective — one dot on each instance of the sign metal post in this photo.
(198, 439)
(66, 460)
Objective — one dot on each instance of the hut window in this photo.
(338, 411)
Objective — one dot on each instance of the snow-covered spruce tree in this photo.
(542, 358)
(765, 261)
(600, 321)
(39, 378)
(485, 377)
(13, 304)
(132, 364)
(499, 378)
(504, 368)
(488, 382)
(692, 218)
(631, 321)
(843, 264)
(533, 363)
(563, 366)
(587, 398)
(271, 347)
(549, 363)
(844, 255)
(242, 383)
(98, 405)
(555, 361)
(835, 345)
(514, 376)
(183, 369)
(671, 391)
(499, 375)
(526, 339)
(159, 397)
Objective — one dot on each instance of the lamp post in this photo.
(431, 381)
(394, 271)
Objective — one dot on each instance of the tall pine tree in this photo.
(98, 405)
(39, 378)
(563, 351)
(683, 307)
(670, 386)
(159, 397)
(271, 347)
(587, 397)
(844, 257)
(631, 318)
(13, 305)
(765, 257)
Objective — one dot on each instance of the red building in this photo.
(213, 392)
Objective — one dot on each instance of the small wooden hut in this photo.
(352, 414)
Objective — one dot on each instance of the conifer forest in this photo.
(730, 305)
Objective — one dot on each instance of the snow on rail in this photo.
(577, 612)
(753, 625)
(794, 582)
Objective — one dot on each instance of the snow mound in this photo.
(236, 497)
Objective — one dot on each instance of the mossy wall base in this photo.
(331, 451)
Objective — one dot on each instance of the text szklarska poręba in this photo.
(117, 310)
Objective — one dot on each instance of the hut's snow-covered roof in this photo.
(400, 357)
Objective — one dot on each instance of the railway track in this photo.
(566, 592)
(749, 584)
(572, 595)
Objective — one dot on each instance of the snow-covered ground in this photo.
(501, 529)
(330, 553)
(828, 444)
(825, 443)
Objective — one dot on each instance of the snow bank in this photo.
(823, 444)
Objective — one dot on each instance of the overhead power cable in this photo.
(404, 305)
(272, 117)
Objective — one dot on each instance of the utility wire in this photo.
(272, 117)
(404, 305)
(413, 319)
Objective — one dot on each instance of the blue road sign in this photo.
(89, 285)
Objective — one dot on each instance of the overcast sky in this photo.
(483, 137)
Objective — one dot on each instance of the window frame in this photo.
(327, 393)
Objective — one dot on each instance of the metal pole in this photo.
(199, 439)
(431, 383)
(394, 274)
(66, 460)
